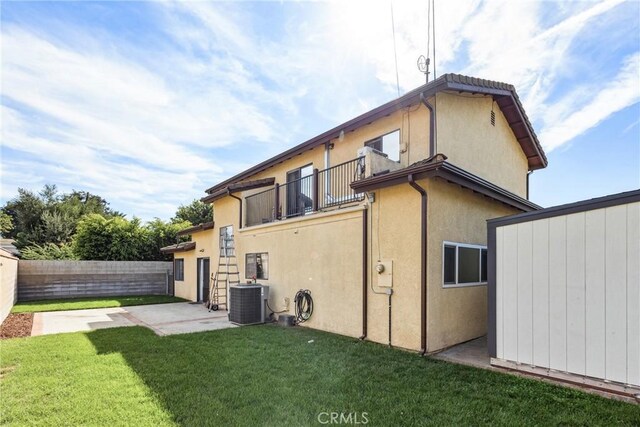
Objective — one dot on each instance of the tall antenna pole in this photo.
(433, 7)
(395, 53)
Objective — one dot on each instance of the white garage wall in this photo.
(567, 293)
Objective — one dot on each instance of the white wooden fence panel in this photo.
(616, 293)
(568, 293)
(576, 293)
(558, 293)
(525, 293)
(595, 293)
(499, 293)
(633, 293)
(540, 300)
(510, 294)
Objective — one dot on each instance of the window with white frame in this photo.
(463, 264)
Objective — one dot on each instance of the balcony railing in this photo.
(298, 196)
(334, 183)
(261, 207)
(323, 189)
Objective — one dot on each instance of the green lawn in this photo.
(265, 375)
(83, 303)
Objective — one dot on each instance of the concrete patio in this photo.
(163, 319)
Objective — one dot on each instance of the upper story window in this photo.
(463, 264)
(227, 247)
(388, 144)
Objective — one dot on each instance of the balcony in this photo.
(322, 190)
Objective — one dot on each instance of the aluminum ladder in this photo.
(226, 275)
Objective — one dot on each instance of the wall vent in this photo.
(493, 118)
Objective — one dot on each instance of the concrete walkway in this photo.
(163, 319)
(472, 353)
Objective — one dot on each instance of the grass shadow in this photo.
(265, 375)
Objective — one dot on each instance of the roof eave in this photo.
(450, 173)
(196, 228)
(454, 82)
(178, 248)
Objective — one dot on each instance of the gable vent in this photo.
(493, 118)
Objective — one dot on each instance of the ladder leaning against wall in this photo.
(226, 275)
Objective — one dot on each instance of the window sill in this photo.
(463, 285)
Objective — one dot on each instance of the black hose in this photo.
(303, 305)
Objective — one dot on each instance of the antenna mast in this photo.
(424, 62)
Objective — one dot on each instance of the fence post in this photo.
(315, 190)
(276, 206)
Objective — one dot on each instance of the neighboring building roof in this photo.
(7, 245)
(437, 166)
(7, 254)
(196, 228)
(178, 247)
(504, 94)
(570, 208)
(239, 186)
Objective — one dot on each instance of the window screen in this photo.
(468, 265)
(483, 266)
(226, 241)
(178, 269)
(257, 265)
(450, 264)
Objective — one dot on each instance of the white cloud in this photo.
(617, 94)
(92, 110)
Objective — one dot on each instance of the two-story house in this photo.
(382, 218)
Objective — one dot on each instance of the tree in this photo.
(48, 251)
(116, 239)
(163, 234)
(6, 224)
(26, 213)
(196, 213)
(49, 217)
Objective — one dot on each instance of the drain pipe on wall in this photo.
(432, 125)
(423, 264)
(365, 270)
(240, 202)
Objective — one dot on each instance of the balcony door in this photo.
(299, 192)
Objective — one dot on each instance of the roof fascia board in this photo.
(570, 208)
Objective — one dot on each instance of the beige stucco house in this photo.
(382, 218)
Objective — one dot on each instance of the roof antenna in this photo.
(425, 62)
(423, 66)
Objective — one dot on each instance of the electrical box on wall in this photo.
(384, 270)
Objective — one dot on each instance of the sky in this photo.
(149, 103)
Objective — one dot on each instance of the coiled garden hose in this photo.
(303, 305)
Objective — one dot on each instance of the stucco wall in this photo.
(467, 138)
(8, 283)
(321, 253)
(456, 215)
(205, 240)
(332, 255)
(395, 236)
